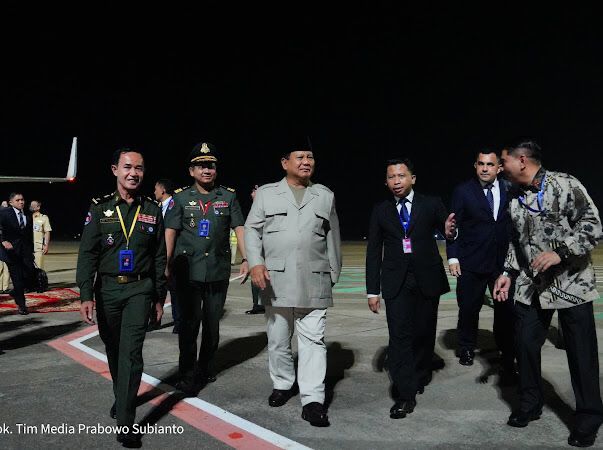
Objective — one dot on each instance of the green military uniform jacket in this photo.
(103, 238)
(208, 256)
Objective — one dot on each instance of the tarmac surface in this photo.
(52, 374)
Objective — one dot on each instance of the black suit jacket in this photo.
(482, 242)
(386, 262)
(21, 239)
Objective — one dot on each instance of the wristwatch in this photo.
(563, 252)
(243, 260)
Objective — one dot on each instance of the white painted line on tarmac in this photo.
(263, 433)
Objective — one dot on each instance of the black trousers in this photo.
(578, 324)
(201, 305)
(470, 290)
(412, 320)
(20, 273)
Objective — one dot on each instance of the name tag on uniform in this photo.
(126, 260)
(204, 228)
(406, 245)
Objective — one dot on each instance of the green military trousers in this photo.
(201, 305)
(122, 311)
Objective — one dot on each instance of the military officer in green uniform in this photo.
(197, 240)
(121, 264)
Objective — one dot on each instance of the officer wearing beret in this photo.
(197, 240)
(123, 247)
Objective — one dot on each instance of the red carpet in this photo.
(54, 300)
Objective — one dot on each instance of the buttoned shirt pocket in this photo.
(321, 222)
(276, 217)
(110, 231)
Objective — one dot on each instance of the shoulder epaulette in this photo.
(227, 188)
(96, 200)
(269, 185)
(180, 189)
(322, 186)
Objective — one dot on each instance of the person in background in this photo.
(41, 232)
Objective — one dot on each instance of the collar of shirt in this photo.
(409, 197)
(494, 184)
(165, 203)
(17, 211)
(534, 186)
(117, 199)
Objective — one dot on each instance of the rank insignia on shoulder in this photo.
(228, 188)
(179, 190)
(108, 213)
(95, 200)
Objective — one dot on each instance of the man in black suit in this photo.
(403, 266)
(16, 235)
(477, 257)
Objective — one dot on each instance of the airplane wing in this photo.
(70, 177)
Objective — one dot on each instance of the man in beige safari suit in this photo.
(294, 251)
(41, 232)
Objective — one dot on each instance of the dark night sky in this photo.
(366, 83)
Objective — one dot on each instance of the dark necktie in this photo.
(490, 196)
(21, 222)
(403, 211)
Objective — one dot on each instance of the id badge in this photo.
(126, 260)
(406, 245)
(204, 228)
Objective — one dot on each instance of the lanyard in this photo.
(123, 225)
(539, 199)
(205, 207)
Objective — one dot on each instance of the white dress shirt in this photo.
(17, 211)
(164, 205)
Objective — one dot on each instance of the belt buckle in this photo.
(122, 279)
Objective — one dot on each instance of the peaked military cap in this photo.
(203, 152)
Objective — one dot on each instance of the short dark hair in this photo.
(13, 195)
(487, 151)
(117, 154)
(167, 185)
(530, 148)
(398, 160)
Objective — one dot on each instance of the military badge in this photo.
(192, 203)
(146, 218)
(204, 148)
(110, 240)
(108, 213)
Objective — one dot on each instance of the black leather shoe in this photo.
(188, 388)
(466, 357)
(256, 311)
(520, 419)
(508, 377)
(579, 438)
(129, 440)
(207, 378)
(401, 408)
(279, 397)
(113, 412)
(316, 414)
(23, 310)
